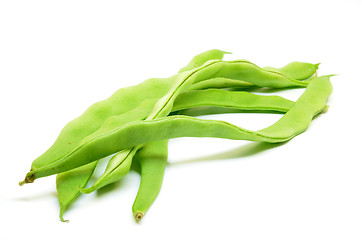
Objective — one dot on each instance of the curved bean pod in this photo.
(152, 159)
(240, 69)
(294, 70)
(188, 99)
(167, 90)
(297, 70)
(120, 102)
(71, 181)
(222, 98)
(295, 121)
(202, 58)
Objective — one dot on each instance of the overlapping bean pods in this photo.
(125, 124)
(72, 184)
(113, 137)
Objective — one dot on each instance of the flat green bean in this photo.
(166, 89)
(295, 121)
(71, 181)
(222, 98)
(294, 70)
(202, 58)
(297, 70)
(152, 159)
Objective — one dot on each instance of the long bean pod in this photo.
(295, 121)
(71, 182)
(152, 159)
(188, 99)
(162, 88)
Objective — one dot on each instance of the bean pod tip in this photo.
(138, 216)
(29, 178)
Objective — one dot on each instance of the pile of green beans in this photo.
(135, 123)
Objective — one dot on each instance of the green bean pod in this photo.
(202, 58)
(222, 98)
(295, 121)
(240, 69)
(71, 182)
(297, 70)
(152, 159)
(166, 90)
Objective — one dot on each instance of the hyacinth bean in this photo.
(240, 100)
(152, 159)
(297, 70)
(71, 182)
(202, 58)
(295, 121)
(163, 88)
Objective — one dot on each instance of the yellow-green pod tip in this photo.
(138, 216)
(61, 213)
(325, 109)
(29, 178)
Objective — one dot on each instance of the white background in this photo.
(59, 57)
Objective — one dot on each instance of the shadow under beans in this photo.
(37, 197)
(244, 151)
